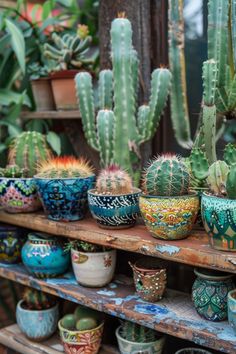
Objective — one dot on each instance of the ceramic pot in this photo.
(64, 199)
(19, 195)
(232, 309)
(209, 293)
(12, 239)
(149, 279)
(63, 87)
(219, 220)
(37, 325)
(114, 211)
(43, 95)
(81, 341)
(169, 218)
(44, 256)
(93, 269)
(127, 347)
(192, 351)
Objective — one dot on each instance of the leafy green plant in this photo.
(83, 246)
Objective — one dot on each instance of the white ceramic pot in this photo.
(93, 269)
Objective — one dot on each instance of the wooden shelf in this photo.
(50, 115)
(194, 250)
(174, 314)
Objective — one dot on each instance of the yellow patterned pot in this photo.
(169, 218)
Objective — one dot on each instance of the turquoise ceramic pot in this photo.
(219, 220)
(44, 256)
(232, 309)
(37, 325)
(12, 239)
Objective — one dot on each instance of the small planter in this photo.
(169, 218)
(81, 341)
(150, 279)
(219, 220)
(43, 95)
(114, 211)
(37, 325)
(63, 87)
(192, 351)
(11, 241)
(19, 195)
(93, 269)
(64, 199)
(209, 293)
(44, 256)
(232, 309)
(127, 347)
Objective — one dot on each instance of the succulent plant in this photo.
(69, 321)
(82, 319)
(86, 323)
(217, 177)
(37, 300)
(37, 71)
(13, 171)
(231, 182)
(230, 154)
(167, 175)
(112, 180)
(83, 246)
(137, 333)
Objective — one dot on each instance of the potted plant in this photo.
(37, 315)
(114, 201)
(62, 184)
(133, 338)
(93, 265)
(168, 207)
(12, 239)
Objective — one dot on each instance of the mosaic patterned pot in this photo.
(93, 269)
(37, 325)
(169, 218)
(232, 309)
(64, 199)
(127, 347)
(114, 211)
(219, 220)
(81, 342)
(192, 351)
(19, 195)
(44, 256)
(209, 293)
(12, 239)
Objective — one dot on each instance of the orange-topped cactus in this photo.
(113, 180)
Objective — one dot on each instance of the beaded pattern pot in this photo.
(11, 241)
(169, 218)
(64, 199)
(209, 294)
(232, 309)
(19, 195)
(219, 220)
(114, 211)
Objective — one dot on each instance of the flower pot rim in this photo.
(44, 78)
(61, 328)
(135, 191)
(203, 351)
(17, 178)
(68, 74)
(189, 195)
(212, 277)
(209, 195)
(230, 293)
(93, 253)
(19, 305)
(62, 179)
(118, 335)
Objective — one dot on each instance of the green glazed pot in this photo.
(232, 309)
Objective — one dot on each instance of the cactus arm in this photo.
(230, 182)
(105, 126)
(135, 74)
(142, 119)
(83, 82)
(232, 95)
(230, 154)
(199, 164)
(105, 89)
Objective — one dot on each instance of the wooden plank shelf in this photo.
(193, 250)
(50, 115)
(174, 314)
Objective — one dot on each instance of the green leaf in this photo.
(8, 96)
(17, 42)
(3, 147)
(65, 3)
(34, 12)
(13, 129)
(54, 141)
(47, 8)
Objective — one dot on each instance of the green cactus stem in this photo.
(199, 164)
(230, 154)
(37, 300)
(14, 171)
(231, 182)
(136, 333)
(217, 178)
(112, 180)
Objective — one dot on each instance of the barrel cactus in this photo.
(137, 333)
(37, 300)
(221, 179)
(13, 171)
(114, 181)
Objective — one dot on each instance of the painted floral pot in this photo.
(12, 239)
(219, 220)
(44, 256)
(209, 293)
(19, 195)
(149, 279)
(192, 351)
(127, 347)
(37, 325)
(232, 309)
(64, 199)
(114, 211)
(81, 342)
(93, 269)
(169, 218)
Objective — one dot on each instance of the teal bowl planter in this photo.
(219, 220)
(232, 309)
(37, 325)
(193, 351)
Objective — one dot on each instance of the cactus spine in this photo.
(136, 333)
(217, 177)
(231, 182)
(114, 181)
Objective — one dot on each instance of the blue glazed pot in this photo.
(114, 211)
(44, 256)
(37, 325)
(64, 199)
(219, 220)
(12, 239)
(232, 309)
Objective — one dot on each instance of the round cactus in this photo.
(14, 171)
(113, 181)
(167, 175)
(217, 177)
(231, 182)
(69, 321)
(86, 323)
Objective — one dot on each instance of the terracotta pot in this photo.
(43, 95)
(63, 87)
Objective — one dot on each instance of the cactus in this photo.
(37, 300)
(14, 171)
(230, 154)
(217, 177)
(27, 150)
(167, 176)
(116, 134)
(231, 182)
(69, 322)
(199, 164)
(83, 311)
(114, 181)
(137, 333)
(86, 323)
(64, 167)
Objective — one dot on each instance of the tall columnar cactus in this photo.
(114, 181)
(217, 178)
(117, 134)
(136, 333)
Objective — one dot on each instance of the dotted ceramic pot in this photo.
(44, 256)
(114, 211)
(19, 195)
(192, 351)
(232, 309)
(64, 199)
(219, 220)
(209, 293)
(169, 218)
(12, 239)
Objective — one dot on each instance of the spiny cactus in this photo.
(231, 182)
(137, 333)
(64, 167)
(230, 154)
(199, 164)
(166, 176)
(113, 180)
(14, 171)
(37, 300)
(116, 134)
(217, 178)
